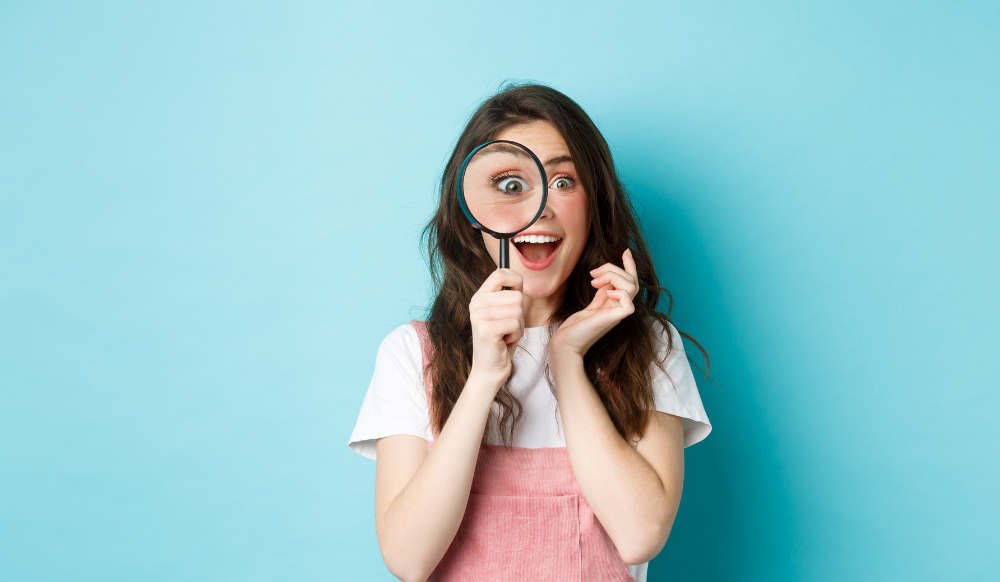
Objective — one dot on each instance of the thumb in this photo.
(600, 298)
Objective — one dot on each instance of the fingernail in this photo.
(593, 271)
(629, 251)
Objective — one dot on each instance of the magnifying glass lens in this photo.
(503, 187)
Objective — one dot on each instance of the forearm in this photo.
(418, 526)
(622, 488)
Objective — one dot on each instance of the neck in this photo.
(538, 311)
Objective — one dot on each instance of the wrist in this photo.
(485, 382)
(559, 349)
(564, 360)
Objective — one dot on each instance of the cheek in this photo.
(574, 215)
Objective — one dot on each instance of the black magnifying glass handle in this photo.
(505, 255)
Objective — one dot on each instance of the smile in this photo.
(536, 250)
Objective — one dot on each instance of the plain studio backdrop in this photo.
(210, 217)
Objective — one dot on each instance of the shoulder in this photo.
(401, 345)
(399, 365)
(402, 337)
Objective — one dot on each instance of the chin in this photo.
(539, 288)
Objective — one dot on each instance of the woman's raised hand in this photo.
(497, 325)
(615, 289)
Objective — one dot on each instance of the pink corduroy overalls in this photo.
(526, 518)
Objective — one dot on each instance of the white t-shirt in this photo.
(396, 401)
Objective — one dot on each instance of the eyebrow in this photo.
(510, 149)
(505, 148)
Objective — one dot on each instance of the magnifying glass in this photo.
(502, 189)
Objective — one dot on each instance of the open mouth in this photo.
(536, 250)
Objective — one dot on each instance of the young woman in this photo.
(535, 433)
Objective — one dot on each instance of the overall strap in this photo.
(427, 351)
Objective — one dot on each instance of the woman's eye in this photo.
(512, 185)
(562, 183)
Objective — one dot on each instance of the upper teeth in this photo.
(535, 238)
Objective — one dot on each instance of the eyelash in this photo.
(503, 175)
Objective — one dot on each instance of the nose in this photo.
(546, 212)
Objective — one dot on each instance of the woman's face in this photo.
(545, 266)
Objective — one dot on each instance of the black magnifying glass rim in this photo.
(461, 189)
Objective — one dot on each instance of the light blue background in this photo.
(209, 219)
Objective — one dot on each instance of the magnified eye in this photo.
(562, 184)
(512, 185)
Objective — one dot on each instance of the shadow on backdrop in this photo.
(728, 527)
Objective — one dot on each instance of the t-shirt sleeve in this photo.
(395, 402)
(676, 392)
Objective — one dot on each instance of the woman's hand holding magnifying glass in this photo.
(497, 317)
(616, 287)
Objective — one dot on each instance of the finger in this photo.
(494, 298)
(629, 262)
(609, 268)
(624, 301)
(503, 278)
(498, 312)
(618, 281)
(615, 278)
(613, 302)
(600, 298)
(498, 328)
(509, 331)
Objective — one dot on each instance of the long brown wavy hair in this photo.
(619, 365)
